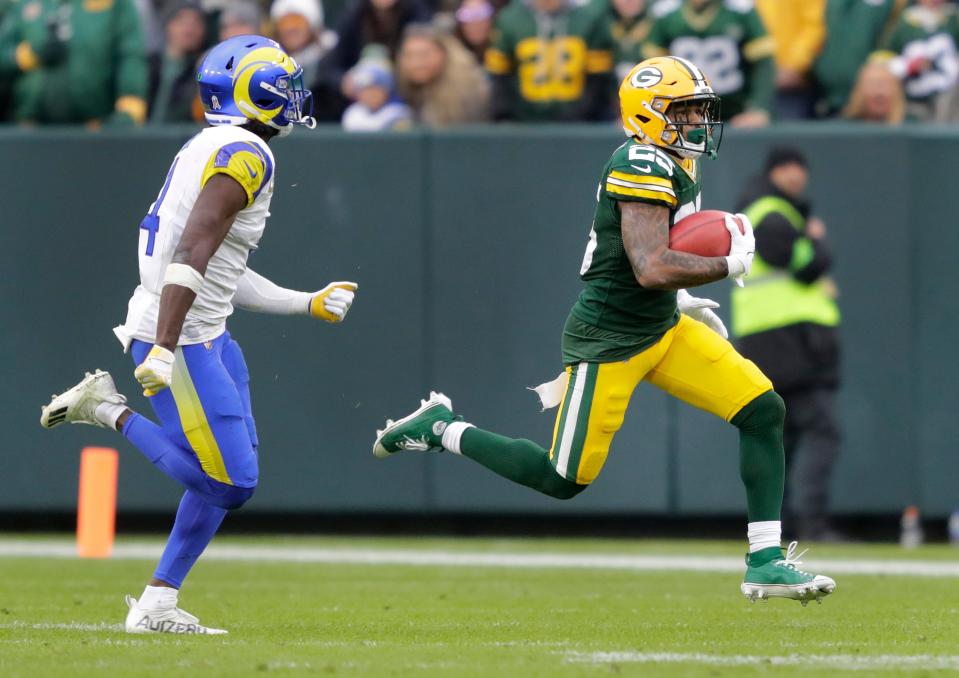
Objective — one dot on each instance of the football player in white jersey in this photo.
(193, 249)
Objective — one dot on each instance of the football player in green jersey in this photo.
(729, 40)
(635, 322)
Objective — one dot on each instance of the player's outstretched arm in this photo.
(646, 238)
(255, 292)
(216, 207)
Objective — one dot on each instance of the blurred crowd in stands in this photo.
(394, 64)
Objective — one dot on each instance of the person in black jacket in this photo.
(787, 322)
(173, 72)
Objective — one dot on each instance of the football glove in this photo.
(155, 373)
(741, 249)
(333, 302)
(701, 310)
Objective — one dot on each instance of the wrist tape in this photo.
(184, 276)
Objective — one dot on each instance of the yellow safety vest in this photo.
(772, 297)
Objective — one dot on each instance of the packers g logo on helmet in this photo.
(668, 102)
(646, 77)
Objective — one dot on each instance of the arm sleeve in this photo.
(244, 162)
(256, 293)
(131, 66)
(758, 51)
(775, 238)
(498, 61)
(498, 58)
(599, 72)
(9, 42)
(655, 44)
(819, 260)
(782, 246)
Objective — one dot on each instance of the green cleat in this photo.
(420, 431)
(770, 574)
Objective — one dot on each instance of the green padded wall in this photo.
(466, 246)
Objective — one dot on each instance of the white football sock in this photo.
(107, 413)
(158, 597)
(764, 534)
(452, 435)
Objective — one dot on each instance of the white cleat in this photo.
(165, 620)
(78, 405)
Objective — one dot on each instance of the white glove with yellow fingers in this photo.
(701, 310)
(333, 302)
(155, 373)
(741, 249)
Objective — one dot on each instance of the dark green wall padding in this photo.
(466, 246)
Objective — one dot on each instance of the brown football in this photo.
(703, 233)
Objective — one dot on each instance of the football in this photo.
(703, 233)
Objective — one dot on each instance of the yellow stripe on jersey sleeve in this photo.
(599, 61)
(241, 161)
(649, 51)
(651, 192)
(497, 62)
(642, 179)
(760, 48)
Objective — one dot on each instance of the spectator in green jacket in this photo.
(854, 28)
(727, 39)
(75, 62)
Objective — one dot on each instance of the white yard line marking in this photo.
(72, 626)
(888, 662)
(429, 557)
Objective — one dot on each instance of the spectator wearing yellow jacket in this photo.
(799, 29)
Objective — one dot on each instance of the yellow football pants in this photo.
(690, 362)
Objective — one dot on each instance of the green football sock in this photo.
(762, 462)
(522, 461)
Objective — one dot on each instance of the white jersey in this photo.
(229, 150)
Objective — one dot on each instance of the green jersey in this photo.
(853, 29)
(615, 317)
(728, 41)
(928, 36)
(550, 58)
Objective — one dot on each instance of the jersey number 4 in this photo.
(151, 222)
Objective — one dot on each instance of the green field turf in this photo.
(61, 616)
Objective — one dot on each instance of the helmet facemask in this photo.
(693, 125)
(299, 106)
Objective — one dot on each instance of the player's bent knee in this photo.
(764, 412)
(237, 497)
(229, 497)
(558, 487)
